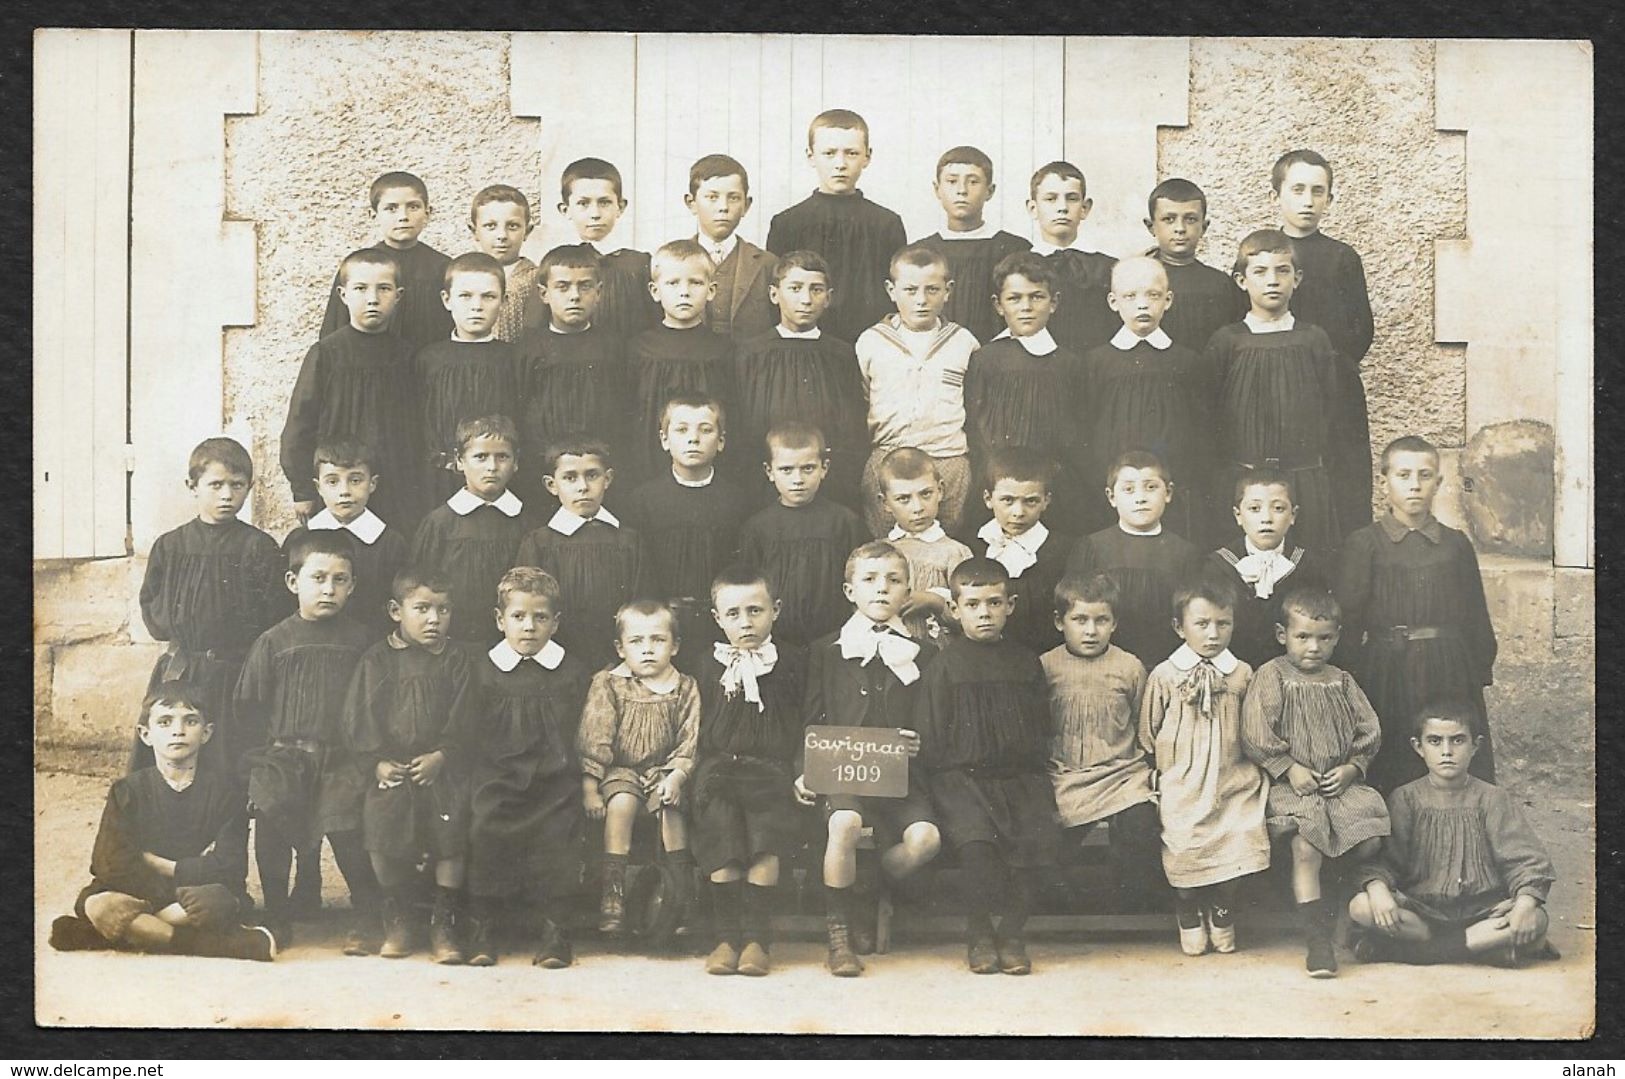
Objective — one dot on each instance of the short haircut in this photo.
(647, 606)
(1452, 709)
(1020, 463)
(474, 262)
(228, 453)
(1065, 170)
(344, 453)
(1141, 459)
(1406, 444)
(569, 257)
(841, 119)
(329, 541)
(977, 572)
(531, 581)
(369, 256)
(494, 426)
(499, 193)
(916, 255)
(683, 251)
(1209, 586)
(1316, 604)
(575, 444)
(794, 435)
(1076, 588)
(1033, 267)
(1264, 242)
(712, 166)
(966, 155)
(695, 400)
(590, 168)
(396, 179)
(874, 549)
(739, 574)
(182, 693)
(1264, 477)
(1175, 189)
(410, 578)
(1298, 157)
(811, 261)
(907, 463)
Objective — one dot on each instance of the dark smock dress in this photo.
(1082, 320)
(210, 590)
(420, 316)
(663, 363)
(1014, 398)
(359, 387)
(1253, 640)
(1146, 398)
(691, 534)
(1333, 296)
(568, 383)
(1416, 630)
(1147, 569)
(528, 823)
(782, 379)
(461, 380)
(857, 238)
(406, 701)
(802, 551)
(473, 550)
(202, 829)
(1205, 299)
(744, 800)
(983, 721)
(1278, 407)
(624, 303)
(970, 268)
(290, 707)
(598, 567)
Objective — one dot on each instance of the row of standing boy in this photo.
(348, 396)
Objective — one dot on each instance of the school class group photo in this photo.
(587, 545)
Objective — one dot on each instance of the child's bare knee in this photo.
(1360, 910)
(922, 839)
(112, 912)
(845, 828)
(1304, 852)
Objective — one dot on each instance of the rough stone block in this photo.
(95, 692)
(43, 661)
(1576, 607)
(1507, 488)
(1520, 597)
(1447, 504)
(82, 601)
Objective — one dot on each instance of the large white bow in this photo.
(863, 640)
(1263, 570)
(1009, 553)
(741, 667)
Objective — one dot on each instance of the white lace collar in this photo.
(1185, 658)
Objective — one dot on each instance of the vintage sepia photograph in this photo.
(813, 534)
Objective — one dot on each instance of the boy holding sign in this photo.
(847, 686)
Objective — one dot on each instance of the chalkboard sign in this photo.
(856, 760)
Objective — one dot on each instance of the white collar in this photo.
(1127, 531)
(568, 524)
(681, 482)
(482, 341)
(568, 333)
(506, 657)
(741, 667)
(858, 622)
(1257, 551)
(1041, 343)
(719, 252)
(673, 679)
(1280, 325)
(366, 528)
(1044, 248)
(1185, 658)
(799, 335)
(863, 640)
(465, 502)
(980, 232)
(935, 534)
(1029, 541)
(1126, 338)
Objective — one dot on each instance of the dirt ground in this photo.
(1100, 983)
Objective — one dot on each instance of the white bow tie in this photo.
(1263, 570)
(863, 640)
(1006, 551)
(741, 668)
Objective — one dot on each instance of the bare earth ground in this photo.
(1102, 983)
